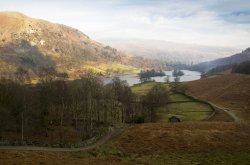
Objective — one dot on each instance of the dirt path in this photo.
(228, 111)
(100, 142)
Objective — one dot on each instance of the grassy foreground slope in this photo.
(230, 91)
(203, 136)
(156, 143)
(53, 158)
(187, 143)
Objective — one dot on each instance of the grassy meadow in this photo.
(143, 88)
(190, 111)
(186, 110)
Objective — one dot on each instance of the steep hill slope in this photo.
(234, 59)
(35, 44)
(230, 91)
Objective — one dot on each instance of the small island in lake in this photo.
(145, 75)
(177, 73)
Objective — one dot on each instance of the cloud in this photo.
(209, 22)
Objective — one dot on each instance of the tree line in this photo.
(243, 68)
(56, 111)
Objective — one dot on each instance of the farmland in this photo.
(179, 105)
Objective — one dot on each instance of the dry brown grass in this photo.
(51, 158)
(151, 142)
(222, 116)
(199, 136)
(231, 91)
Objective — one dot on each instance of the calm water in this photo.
(134, 79)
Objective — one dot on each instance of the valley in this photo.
(133, 79)
(161, 142)
(124, 82)
(207, 121)
(172, 52)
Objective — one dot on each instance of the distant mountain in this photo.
(170, 51)
(36, 45)
(226, 63)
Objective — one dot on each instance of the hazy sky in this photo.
(208, 22)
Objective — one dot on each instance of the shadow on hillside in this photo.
(25, 55)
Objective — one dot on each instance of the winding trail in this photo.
(112, 132)
(228, 111)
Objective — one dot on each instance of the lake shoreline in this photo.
(133, 79)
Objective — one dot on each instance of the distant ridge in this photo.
(227, 61)
(170, 51)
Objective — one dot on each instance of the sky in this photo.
(203, 22)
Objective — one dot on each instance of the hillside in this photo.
(170, 51)
(158, 138)
(223, 62)
(156, 143)
(37, 44)
(230, 91)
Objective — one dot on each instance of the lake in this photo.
(134, 78)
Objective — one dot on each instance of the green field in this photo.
(189, 111)
(143, 88)
(178, 97)
(110, 69)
